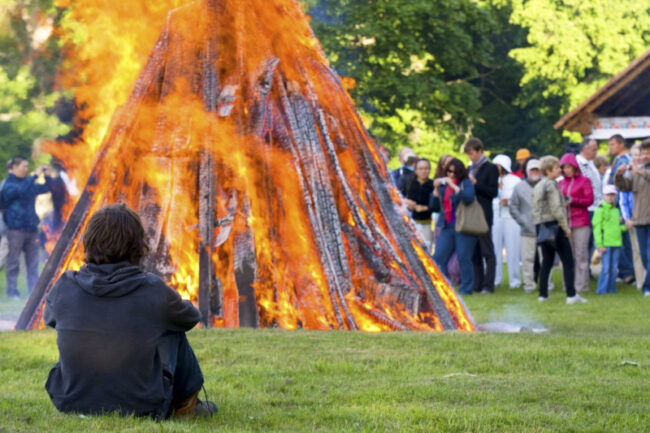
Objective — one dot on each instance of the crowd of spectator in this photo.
(579, 209)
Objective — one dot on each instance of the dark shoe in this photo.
(193, 407)
(204, 409)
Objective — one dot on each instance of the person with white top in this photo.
(506, 231)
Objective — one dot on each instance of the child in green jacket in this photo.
(608, 234)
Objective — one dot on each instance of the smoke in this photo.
(513, 318)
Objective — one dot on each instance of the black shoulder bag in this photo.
(547, 231)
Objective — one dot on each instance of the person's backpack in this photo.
(3, 205)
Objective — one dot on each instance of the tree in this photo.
(415, 63)
(26, 103)
(574, 47)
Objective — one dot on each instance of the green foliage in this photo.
(412, 60)
(503, 70)
(574, 47)
(27, 69)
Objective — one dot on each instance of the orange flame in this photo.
(267, 194)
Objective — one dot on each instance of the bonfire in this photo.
(265, 200)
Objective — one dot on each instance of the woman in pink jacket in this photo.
(579, 195)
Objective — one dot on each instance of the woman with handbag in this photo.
(448, 195)
(553, 232)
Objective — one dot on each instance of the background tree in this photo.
(415, 62)
(28, 61)
(574, 47)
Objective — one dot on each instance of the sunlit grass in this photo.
(573, 378)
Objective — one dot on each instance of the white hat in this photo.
(609, 189)
(532, 164)
(503, 161)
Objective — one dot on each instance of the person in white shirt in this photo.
(506, 231)
(588, 169)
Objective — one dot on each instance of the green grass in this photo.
(570, 379)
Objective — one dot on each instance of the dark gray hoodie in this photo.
(108, 320)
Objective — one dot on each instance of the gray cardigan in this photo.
(521, 207)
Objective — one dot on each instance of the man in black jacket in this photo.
(485, 177)
(120, 331)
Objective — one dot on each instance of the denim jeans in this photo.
(626, 262)
(180, 368)
(27, 243)
(449, 241)
(643, 236)
(607, 277)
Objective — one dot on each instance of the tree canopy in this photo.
(28, 63)
(424, 73)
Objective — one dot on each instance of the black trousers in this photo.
(563, 249)
(485, 263)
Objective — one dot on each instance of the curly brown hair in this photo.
(115, 234)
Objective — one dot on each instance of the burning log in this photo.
(264, 199)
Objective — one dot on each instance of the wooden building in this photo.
(621, 106)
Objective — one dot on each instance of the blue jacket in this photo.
(19, 196)
(466, 194)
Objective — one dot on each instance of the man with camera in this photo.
(18, 198)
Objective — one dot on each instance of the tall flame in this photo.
(244, 155)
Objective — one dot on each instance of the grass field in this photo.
(578, 377)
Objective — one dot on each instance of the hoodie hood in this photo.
(570, 158)
(111, 280)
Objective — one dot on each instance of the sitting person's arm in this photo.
(181, 315)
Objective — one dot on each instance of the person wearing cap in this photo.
(404, 154)
(521, 210)
(520, 157)
(608, 236)
(505, 231)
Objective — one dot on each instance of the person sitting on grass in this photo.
(121, 331)
(609, 239)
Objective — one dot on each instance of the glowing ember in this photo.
(264, 199)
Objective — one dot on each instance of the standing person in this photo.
(521, 210)
(438, 179)
(585, 158)
(608, 232)
(403, 156)
(619, 149)
(549, 209)
(506, 232)
(120, 331)
(19, 198)
(579, 195)
(521, 157)
(446, 197)
(602, 165)
(417, 195)
(626, 206)
(485, 177)
(637, 180)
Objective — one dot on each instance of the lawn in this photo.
(589, 373)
